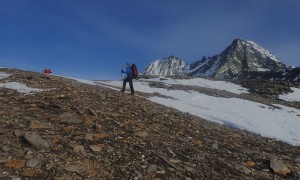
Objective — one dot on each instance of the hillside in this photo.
(59, 128)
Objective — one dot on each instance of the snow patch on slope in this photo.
(3, 75)
(22, 88)
(292, 97)
(263, 69)
(200, 82)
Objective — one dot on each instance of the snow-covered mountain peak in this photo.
(252, 46)
(242, 59)
(240, 56)
(170, 66)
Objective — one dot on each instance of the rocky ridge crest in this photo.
(240, 60)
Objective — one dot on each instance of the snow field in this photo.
(277, 121)
(294, 96)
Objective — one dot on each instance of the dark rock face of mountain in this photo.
(292, 75)
(206, 67)
(240, 56)
(241, 60)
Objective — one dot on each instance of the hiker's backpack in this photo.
(134, 71)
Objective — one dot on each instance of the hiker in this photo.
(128, 78)
(47, 71)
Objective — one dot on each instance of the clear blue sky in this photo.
(93, 39)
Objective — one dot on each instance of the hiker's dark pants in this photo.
(128, 79)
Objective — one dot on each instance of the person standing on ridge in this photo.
(129, 78)
(47, 71)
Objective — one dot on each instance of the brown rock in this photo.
(2, 113)
(89, 120)
(278, 167)
(197, 142)
(70, 128)
(142, 134)
(250, 164)
(19, 133)
(58, 147)
(37, 141)
(89, 137)
(74, 120)
(32, 172)
(95, 136)
(215, 145)
(32, 163)
(175, 161)
(6, 148)
(80, 150)
(98, 147)
(152, 168)
(73, 168)
(39, 125)
(99, 135)
(15, 164)
(243, 169)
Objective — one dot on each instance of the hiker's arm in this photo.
(127, 71)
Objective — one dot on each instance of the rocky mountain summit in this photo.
(59, 128)
(240, 56)
(171, 66)
(240, 60)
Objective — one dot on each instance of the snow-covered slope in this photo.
(276, 121)
(171, 66)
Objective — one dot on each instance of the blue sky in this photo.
(93, 39)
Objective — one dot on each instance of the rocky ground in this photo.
(80, 131)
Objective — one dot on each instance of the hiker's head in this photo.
(127, 65)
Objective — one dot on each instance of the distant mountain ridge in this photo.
(240, 60)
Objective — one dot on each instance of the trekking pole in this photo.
(121, 74)
(121, 79)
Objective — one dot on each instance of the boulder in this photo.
(36, 141)
(278, 167)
